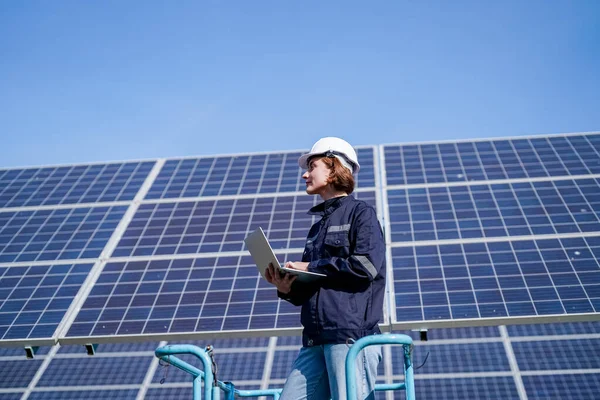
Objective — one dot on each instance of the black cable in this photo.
(424, 361)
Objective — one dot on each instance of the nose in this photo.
(305, 175)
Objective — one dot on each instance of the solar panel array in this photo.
(479, 232)
(478, 365)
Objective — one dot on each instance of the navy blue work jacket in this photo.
(347, 245)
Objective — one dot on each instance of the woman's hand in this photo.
(301, 266)
(282, 281)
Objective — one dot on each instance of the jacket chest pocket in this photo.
(337, 244)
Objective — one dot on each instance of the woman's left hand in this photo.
(301, 266)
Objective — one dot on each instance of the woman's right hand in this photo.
(283, 281)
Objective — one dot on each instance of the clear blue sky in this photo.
(115, 80)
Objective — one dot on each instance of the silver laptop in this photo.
(262, 254)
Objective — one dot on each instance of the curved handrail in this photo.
(167, 353)
(404, 340)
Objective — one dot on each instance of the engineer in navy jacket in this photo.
(346, 245)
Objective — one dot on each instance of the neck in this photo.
(330, 193)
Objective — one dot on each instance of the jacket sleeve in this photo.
(299, 294)
(367, 251)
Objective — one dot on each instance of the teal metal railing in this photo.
(214, 387)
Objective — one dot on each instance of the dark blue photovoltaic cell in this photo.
(479, 280)
(499, 210)
(169, 393)
(231, 343)
(60, 234)
(490, 160)
(575, 386)
(183, 295)
(250, 174)
(177, 393)
(11, 396)
(282, 362)
(455, 358)
(211, 226)
(571, 328)
(88, 394)
(488, 388)
(576, 353)
(18, 351)
(235, 366)
(72, 184)
(471, 332)
(105, 348)
(17, 373)
(95, 370)
(34, 299)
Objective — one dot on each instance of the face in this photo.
(316, 177)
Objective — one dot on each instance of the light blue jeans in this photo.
(319, 373)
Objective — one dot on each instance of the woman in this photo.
(347, 246)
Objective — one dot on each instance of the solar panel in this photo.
(579, 354)
(57, 234)
(205, 295)
(558, 386)
(574, 328)
(243, 175)
(492, 159)
(497, 279)
(72, 184)
(494, 210)
(35, 298)
(495, 387)
(78, 371)
(18, 373)
(246, 366)
(125, 394)
(217, 226)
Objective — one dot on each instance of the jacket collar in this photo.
(328, 206)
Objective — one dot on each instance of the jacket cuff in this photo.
(313, 266)
(284, 296)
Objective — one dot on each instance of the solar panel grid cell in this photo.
(455, 358)
(498, 279)
(18, 373)
(59, 234)
(88, 394)
(490, 388)
(495, 210)
(72, 184)
(573, 328)
(11, 396)
(233, 367)
(182, 295)
(576, 386)
(574, 353)
(97, 370)
(242, 175)
(34, 299)
(212, 226)
(491, 160)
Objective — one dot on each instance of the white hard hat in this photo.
(332, 147)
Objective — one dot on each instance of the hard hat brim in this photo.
(304, 158)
